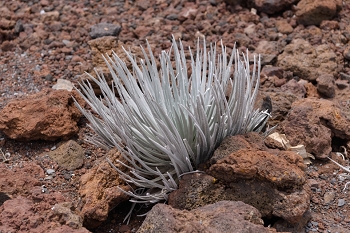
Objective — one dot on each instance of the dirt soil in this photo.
(45, 40)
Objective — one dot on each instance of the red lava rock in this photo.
(284, 27)
(7, 24)
(223, 216)
(311, 90)
(14, 180)
(99, 191)
(279, 82)
(47, 115)
(188, 12)
(313, 12)
(50, 16)
(329, 25)
(326, 85)
(240, 170)
(306, 61)
(142, 32)
(7, 46)
(295, 88)
(313, 123)
(269, 70)
(21, 215)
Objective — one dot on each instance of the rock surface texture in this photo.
(313, 12)
(70, 155)
(20, 215)
(314, 123)
(306, 61)
(48, 115)
(243, 169)
(224, 216)
(100, 193)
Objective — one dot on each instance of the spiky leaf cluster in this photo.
(166, 122)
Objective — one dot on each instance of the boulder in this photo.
(272, 6)
(223, 216)
(313, 12)
(20, 179)
(99, 191)
(306, 61)
(313, 123)
(47, 115)
(23, 214)
(326, 85)
(244, 169)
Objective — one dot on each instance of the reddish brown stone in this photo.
(48, 115)
(313, 12)
(24, 215)
(14, 180)
(313, 123)
(99, 191)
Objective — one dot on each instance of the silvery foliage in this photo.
(166, 123)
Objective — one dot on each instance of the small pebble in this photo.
(48, 77)
(67, 176)
(172, 17)
(48, 178)
(333, 181)
(315, 224)
(328, 197)
(50, 171)
(341, 202)
(53, 148)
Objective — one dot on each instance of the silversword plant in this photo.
(165, 122)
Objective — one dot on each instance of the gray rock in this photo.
(326, 85)
(50, 171)
(63, 211)
(4, 197)
(271, 7)
(69, 155)
(295, 88)
(281, 105)
(223, 216)
(172, 16)
(104, 29)
(342, 84)
(341, 202)
(19, 26)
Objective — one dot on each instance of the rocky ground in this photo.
(52, 180)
